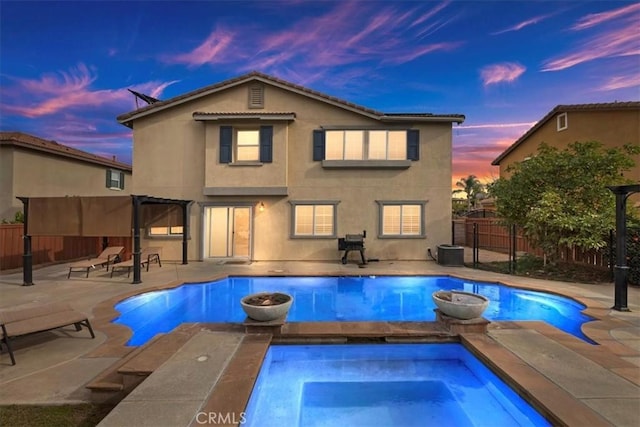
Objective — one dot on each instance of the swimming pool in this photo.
(382, 385)
(369, 298)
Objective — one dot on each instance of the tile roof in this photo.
(606, 106)
(127, 118)
(19, 139)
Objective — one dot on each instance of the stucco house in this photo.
(613, 124)
(278, 171)
(34, 167)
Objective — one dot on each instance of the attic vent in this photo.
(256, 96)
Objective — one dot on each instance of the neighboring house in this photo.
(35, 167)
(613, 124)
(280, 172)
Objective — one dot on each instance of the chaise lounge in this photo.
(147, 256)
(109, 255)
(31, 318)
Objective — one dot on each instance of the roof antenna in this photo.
(146, 98)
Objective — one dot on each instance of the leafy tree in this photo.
(473, 188)
(560, 197)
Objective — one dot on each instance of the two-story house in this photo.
(36, 167)
(279, 171)
(613, 124)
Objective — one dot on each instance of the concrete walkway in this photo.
(54, 367)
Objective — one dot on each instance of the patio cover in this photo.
(112, 216)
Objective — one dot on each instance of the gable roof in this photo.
(23, 140)
(128, 118)
(608, 106)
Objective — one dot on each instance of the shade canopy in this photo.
(111, 216)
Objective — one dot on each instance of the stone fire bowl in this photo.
(459, 304)
(266, 312)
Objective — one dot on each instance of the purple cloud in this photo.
(594, 19)
(620, 39)
(523, 24)
(66, 90)
(351, 33)
(502, 72)
(212, 50)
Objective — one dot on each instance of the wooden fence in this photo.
(50, 249)
(495, 237)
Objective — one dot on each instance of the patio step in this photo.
(126, 374)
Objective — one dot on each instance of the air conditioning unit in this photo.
(451, 255)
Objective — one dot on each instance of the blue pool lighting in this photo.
(382, 385)
(317, 299)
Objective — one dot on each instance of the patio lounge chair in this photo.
(147, 256)
(109, 255)
(31, 318)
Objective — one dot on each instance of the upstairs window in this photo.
(378, 144)
(115, 179)
(562, 121)
(247, 145)
(365, 145)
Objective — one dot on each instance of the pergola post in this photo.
(621, 269)
(185, 232)
(136, 241)
(27, 257)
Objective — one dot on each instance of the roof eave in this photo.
(447, 119)
(206, 117)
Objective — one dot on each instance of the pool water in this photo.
(382, 385)
(370, 298)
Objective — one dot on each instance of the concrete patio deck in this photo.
(601, 383)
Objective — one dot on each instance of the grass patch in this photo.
(531, 266)
(82, 415)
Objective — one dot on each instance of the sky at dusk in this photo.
(65, 66)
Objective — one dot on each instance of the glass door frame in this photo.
(205, 242)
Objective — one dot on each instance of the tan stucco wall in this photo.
(611, 128)
(37, 174)
(7, 195)
(176, 157)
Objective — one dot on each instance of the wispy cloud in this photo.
(620, 82)
(615, 40)
(67, 90)
(519, 26)
(350, 33)
(594, 19)
(502, 72)
(497, 125)
(213, 49)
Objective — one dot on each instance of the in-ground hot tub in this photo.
(382, 385)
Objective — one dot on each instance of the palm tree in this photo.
(472, 186)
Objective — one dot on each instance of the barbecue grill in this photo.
(352, 242)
